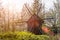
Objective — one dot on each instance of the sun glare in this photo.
(14, 7)
(13, 4)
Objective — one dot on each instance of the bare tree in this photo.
(2, 17)
(57, 11)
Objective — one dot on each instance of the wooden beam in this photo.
(29, 10)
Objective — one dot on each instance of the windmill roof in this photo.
(35, 17)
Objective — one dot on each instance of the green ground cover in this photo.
(23, 36)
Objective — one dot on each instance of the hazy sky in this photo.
(17, 5)
(49, 3)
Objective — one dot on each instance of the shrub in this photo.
(22, 36)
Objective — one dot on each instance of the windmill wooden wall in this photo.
(35, 24)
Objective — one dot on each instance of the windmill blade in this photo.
(48, 18)
(19, 21)
(29, 10)
(39, 9)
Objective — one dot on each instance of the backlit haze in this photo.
(15, 6)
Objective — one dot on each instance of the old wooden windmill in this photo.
(35, 22)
